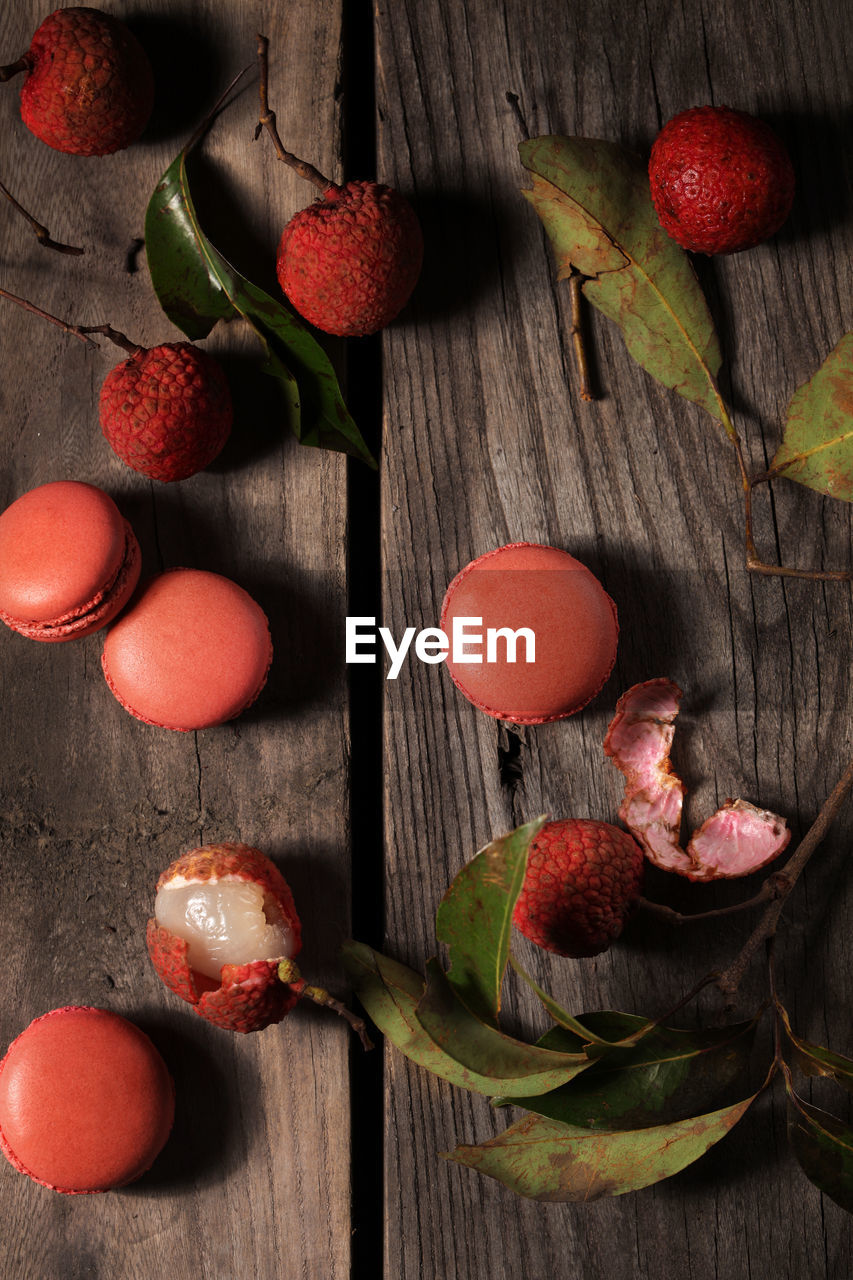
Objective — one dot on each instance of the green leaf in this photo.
(390, 992)
(196, 287)
(815, 1060)
(521, 1068)
(546, 1160)
(669, 1075)
(824, 1148)
(474, 918)
(593, 198)
(817, 449)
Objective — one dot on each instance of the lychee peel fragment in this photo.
(735, 841)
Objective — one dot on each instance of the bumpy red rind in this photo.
(90, 88)
(349, 262)
(721, 181)
(167, 411)
(582, 882)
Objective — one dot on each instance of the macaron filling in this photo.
(95, 613)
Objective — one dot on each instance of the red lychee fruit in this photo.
(166, 411)
(349, 262)
(89, 89)
(223, 937)
(583, 879)
(721, 180)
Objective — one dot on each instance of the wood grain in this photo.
(486, 441)
(255, 1180)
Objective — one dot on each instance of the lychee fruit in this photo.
(349, 262)
(583, 879)
(223, 938)
(166, 411)
(89, 88)
(721, 181)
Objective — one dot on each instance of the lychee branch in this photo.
(730, 979)
(41, 232)
(289, 973)
(81, 331)
(576, 294)
(773, 888)
(267, 120)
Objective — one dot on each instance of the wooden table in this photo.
(293, 1154)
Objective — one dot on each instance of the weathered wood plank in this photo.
(486, 441)
(255, 1181)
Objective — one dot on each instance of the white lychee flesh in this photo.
(224, 922)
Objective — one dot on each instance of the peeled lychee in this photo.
(223, 937)
(224, 917)
(583, 879)
(89, 88)
(166, 411)
(349, 262)
(721, 181)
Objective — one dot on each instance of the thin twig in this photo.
(774, 886)
(41, 232)
(730, 979)
(266, 120)
(80, 331)
(74, 329)
(576, 293)
(214, 110)
(756, 565)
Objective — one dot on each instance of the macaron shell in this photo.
(99, 611)
(193, 650)
(86, 1101)
(574, 620)
(61, 546)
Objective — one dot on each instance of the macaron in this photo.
(86, 1101)
(573, 619)
(69, 561)
(192, 650)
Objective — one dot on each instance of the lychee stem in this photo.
(266, 120)
(289, 973)
(73, 329)
(80, 331)
(15, 68)
(42, 233)
(578, 329)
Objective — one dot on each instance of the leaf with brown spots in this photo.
(546, 1160)
(817, 450)
(593, 198)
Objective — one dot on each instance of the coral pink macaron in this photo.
(86, 1101)
(192, 651)
(69, 561)
(573, 619)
